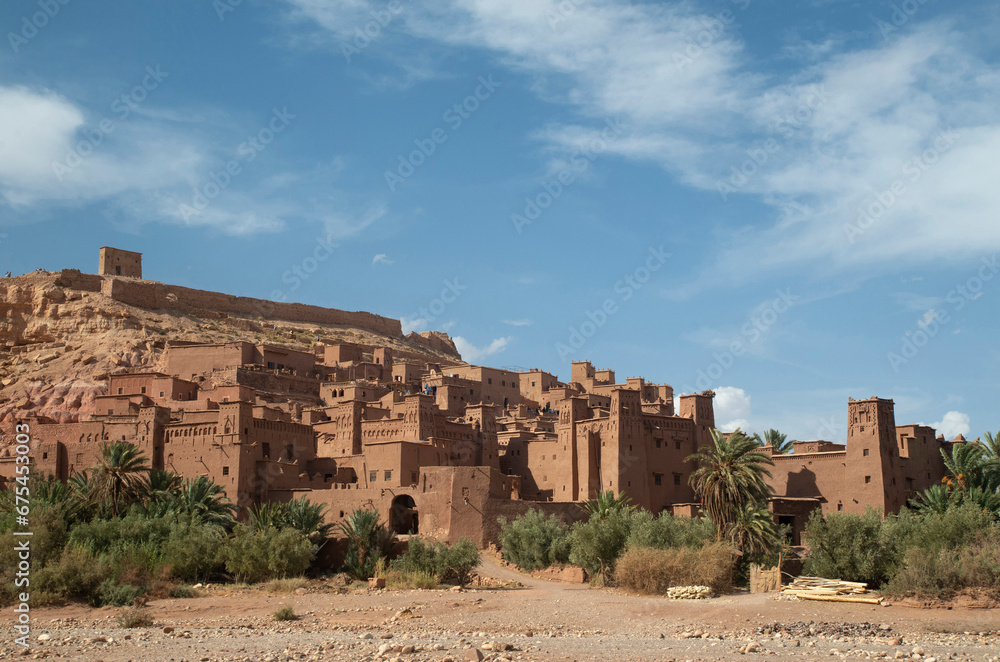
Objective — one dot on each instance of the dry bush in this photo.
(653, 571)
(945, 572)
(289, 585)
(409, 579)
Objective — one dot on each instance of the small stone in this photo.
(44, 637)
(474, 655)
(917, 650)
(407, 650)
(387, 635)
(167, 630)
(896, 641)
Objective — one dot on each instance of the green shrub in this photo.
(596, 544)
(923, 548)
(191, 552)
(447, 562)
(75, 575)
(533, 542)
(285, 614)
(255, 556)
(135, 617)
(112, 593)
(856, 548)
(653, 571)
(183, 591)
(667, 531)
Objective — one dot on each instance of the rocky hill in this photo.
(62, 332)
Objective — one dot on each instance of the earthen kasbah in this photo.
(437, 446)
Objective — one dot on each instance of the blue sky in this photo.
(791, 203)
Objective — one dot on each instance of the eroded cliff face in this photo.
(58, 343)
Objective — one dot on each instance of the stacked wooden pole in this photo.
(829, 590)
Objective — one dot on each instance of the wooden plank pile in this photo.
(829, 590)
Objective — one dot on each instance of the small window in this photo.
(45, 456)
(388, 475)
(372, 476)
(840, 506)
(225, 471)
(868, 479)
(677, 479)
(270, 365)
(658, 479)
(161, 394)
(142, 390)
(119, 390)
(413, 477)
(678, 444)
(266, 450)
(865, 452)
(341, 513)
(659, 443)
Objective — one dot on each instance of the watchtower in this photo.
(116, 262)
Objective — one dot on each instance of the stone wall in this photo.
(154, 296)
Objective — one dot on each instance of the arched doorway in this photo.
(404, 515)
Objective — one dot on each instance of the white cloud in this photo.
(410, 324)
(381, 258)
(732, 405)
(54, 155)
(953, 424)
(471, 353)
(919, 109)
(523, 322)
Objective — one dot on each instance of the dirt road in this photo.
(544, 621)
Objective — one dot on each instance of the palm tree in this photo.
(780, 442)
(965, 465)
(163, 485)
(754, 531)
(606, 503)
(119, 477)
(935, 499)
(729, 476)
(368, 541)
(309, 518)
(205, 501)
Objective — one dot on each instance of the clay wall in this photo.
(154, 296)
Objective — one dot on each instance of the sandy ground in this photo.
(544, 620)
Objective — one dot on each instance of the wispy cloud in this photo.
(848, 125)
(473, 353)
(381, 258)
(521, 322)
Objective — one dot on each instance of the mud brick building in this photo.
(438, 448)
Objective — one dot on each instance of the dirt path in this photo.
(544, 621)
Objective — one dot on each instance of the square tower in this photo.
(116, 262)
